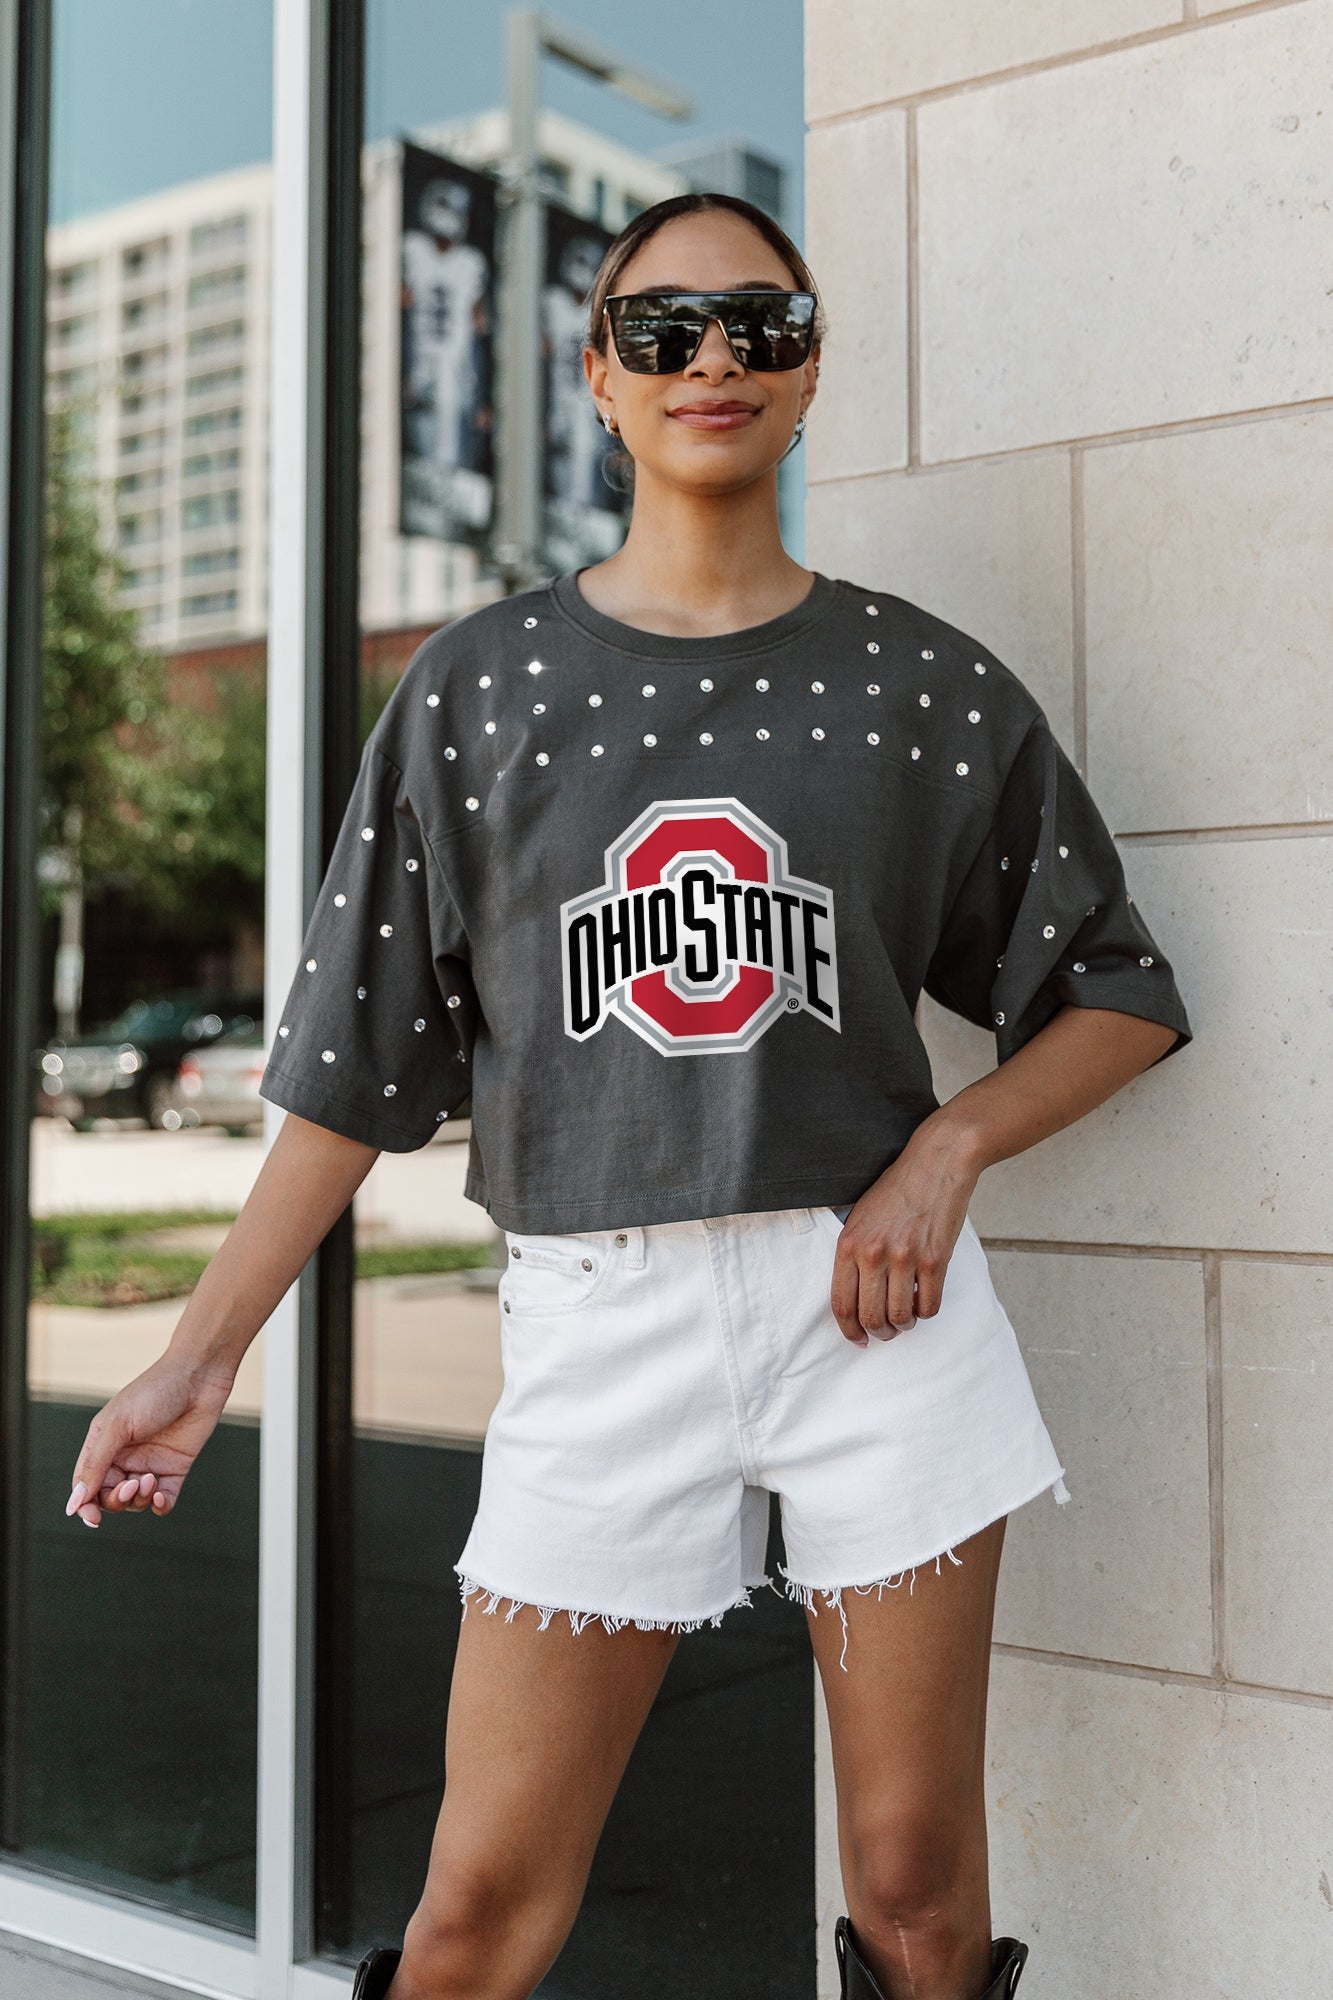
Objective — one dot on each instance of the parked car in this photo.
(219, 1085)
(127, 1068)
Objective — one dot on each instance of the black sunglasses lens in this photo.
(655, 335)
(772, 331)
(660, 333)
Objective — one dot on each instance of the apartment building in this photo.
(158, 327)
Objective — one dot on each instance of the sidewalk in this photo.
(427, 1351)
(416, 1196)
(427, 1354)
(40, 1972)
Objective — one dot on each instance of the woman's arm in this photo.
(141, 1444)
(306, 1181)
(1080, 1058)
(900, 1235)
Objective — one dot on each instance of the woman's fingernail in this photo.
(76, 1498)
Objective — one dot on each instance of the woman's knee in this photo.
(481, 1918)
(916, 1870)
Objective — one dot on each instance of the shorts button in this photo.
(515, 1252)
(587, 1263)
(506, 1305)
(622, 1239)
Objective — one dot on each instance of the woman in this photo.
(645, 871)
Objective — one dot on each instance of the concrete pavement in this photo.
(414, 1196)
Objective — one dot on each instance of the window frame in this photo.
(313, 710)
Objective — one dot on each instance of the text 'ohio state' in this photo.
(701, 924)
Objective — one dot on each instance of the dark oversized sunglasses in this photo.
(659, 333)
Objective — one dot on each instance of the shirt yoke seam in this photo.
(983, 795)
(428, 839)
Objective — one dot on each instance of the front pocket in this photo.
(547, 1274)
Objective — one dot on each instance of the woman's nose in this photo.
(715, 357)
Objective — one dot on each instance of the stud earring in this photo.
(609, 424)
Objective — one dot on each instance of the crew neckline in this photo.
(749, 639)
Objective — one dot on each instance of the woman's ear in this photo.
(809, 379)
(597, 375)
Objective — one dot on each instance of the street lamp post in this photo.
(519, 415)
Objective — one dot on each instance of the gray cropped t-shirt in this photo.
(656, 913)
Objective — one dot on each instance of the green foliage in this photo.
(153, 780)
(98, 1274)
(129, 1221)
(191, 834)
(401, 1260)
(147, 790)
(98, 682)
(100, 1259)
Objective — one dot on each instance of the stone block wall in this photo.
(1078, 398)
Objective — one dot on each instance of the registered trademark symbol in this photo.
(792, 1005)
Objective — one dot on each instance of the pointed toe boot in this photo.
(1007, 1954)
(374, 1973)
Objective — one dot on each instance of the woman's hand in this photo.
(141, 1444)
(902, 1232)
(896, 1243)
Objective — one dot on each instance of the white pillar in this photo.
(287, 1455)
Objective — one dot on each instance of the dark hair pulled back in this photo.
(646, 225)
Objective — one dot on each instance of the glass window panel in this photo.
(132, 1763)
(704, 1880)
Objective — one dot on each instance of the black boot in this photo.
(374, 1973)
(1007, 1956)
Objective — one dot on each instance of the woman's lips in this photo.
(714, 416)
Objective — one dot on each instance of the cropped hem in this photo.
(832, 1188)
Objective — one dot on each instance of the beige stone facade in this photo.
(1078, 399)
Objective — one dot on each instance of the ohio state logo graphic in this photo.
(700, 937)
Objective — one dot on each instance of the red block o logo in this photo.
(699, 938)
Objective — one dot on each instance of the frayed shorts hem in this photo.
(611, 1621)
(805, 1594)
(799, 1591)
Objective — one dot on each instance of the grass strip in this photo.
(91, 1259)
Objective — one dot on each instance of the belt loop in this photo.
(635, 1250)
(801, 1219)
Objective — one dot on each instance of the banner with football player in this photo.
(585, 512)
(447, 315)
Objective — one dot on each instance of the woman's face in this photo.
(717, 425)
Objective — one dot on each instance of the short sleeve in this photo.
(1043, 917)
(375, 1038)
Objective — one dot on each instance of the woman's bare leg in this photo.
(908, 1724)
(541, 1725)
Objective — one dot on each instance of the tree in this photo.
(145, 791)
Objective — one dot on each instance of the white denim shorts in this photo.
(662, 1379)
